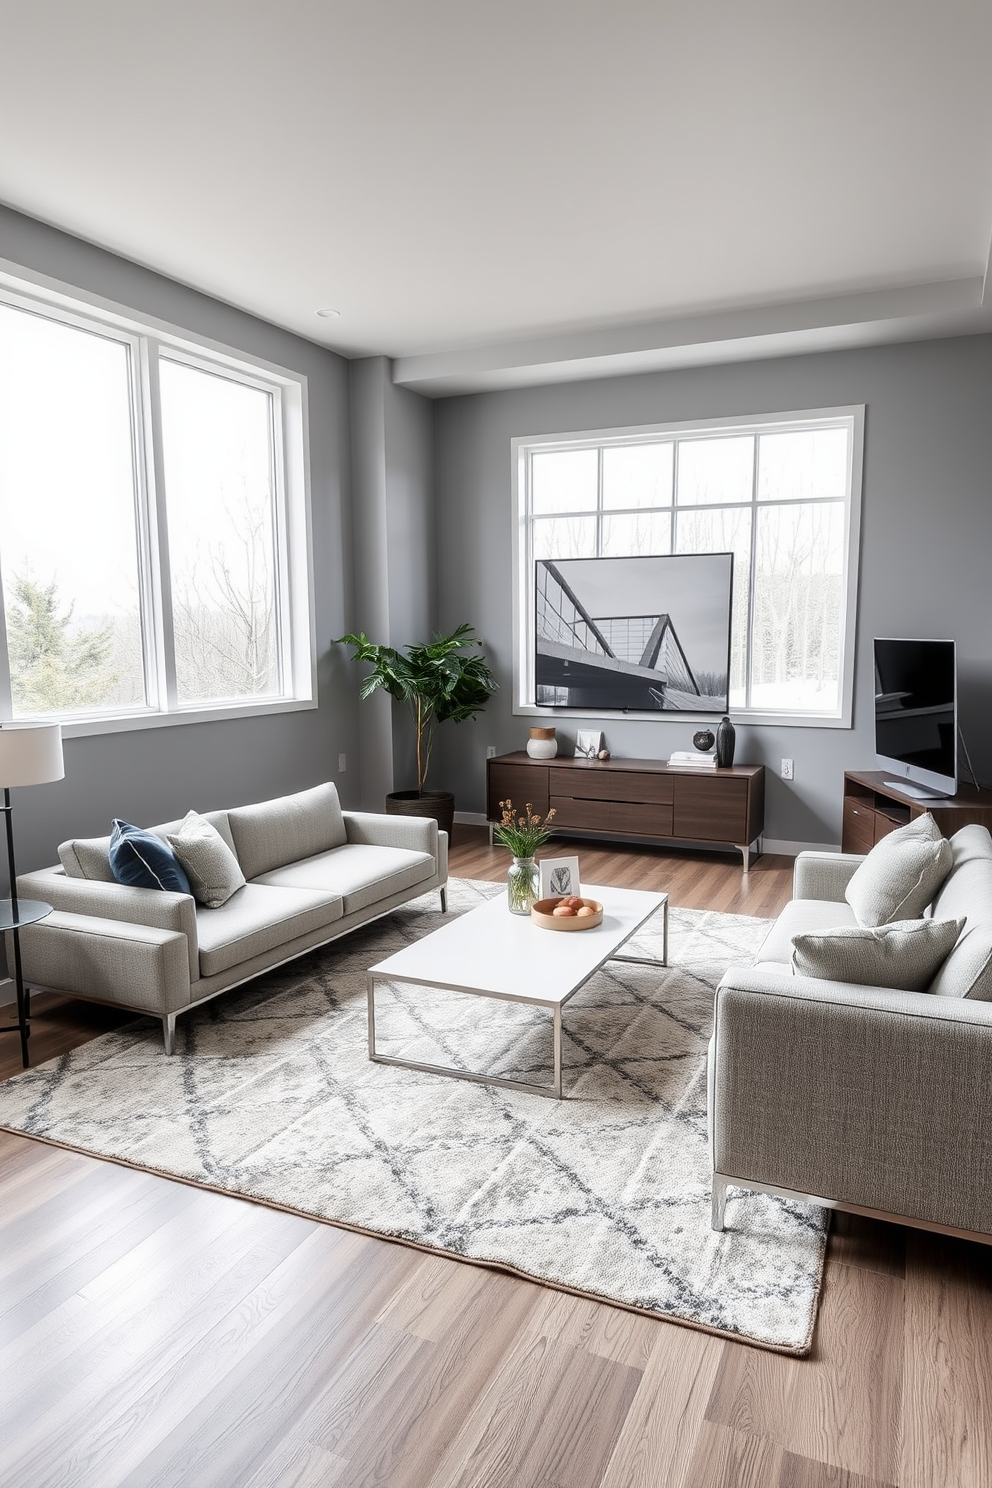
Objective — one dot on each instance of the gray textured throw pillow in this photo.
(901, 874)
(905, 954)
(213, 871)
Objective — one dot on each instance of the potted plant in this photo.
(440, 681)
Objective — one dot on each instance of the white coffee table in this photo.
(490, 952)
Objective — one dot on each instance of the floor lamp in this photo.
(30, 754)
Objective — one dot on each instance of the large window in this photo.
(153, 548)
(781, 494)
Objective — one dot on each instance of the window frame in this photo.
(149, 341)
(524, 447)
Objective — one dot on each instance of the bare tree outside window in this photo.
(219, 496)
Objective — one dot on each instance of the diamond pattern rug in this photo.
(605, 1193)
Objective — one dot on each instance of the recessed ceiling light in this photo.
(329, 314)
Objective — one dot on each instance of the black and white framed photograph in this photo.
(559, 877)
(588, 743)
(637, 634)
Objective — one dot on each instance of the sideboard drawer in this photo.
(603, 784)
(624, 818)
(711, 810)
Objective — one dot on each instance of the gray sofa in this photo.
(313, 873)
(861, 1097)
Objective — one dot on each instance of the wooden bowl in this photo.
(542, 916)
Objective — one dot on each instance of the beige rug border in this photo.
(802, 1351)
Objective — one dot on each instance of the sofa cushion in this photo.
(799, 916)
(278, 832)
(903, 954)
(901, 874)
(89, 857)
(213, 870)
(360, 874)
(257, 920)
(143, 861)
(967, 891)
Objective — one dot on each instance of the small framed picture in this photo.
(588, 743)
(559, 876)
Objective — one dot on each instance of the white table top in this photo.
(499, 954)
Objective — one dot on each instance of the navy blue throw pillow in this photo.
(144, 861)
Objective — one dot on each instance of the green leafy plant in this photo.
(445, 680)
(523, 835)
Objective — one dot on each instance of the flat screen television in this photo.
(645, 635)
(916, 724)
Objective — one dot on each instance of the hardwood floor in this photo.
(153, 1334)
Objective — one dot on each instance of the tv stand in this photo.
(875, 806)
(640, 799)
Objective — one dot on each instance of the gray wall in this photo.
(926, 543)
(392, 432)
(154, 774)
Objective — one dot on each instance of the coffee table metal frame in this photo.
(383, 972)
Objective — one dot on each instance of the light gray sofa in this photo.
(861, 1098)
(313, 873)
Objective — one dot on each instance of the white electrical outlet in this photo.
(490, 751)
(787, 770)
(342, 763)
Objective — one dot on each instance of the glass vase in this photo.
(523, 885)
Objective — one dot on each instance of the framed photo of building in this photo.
(559, 877)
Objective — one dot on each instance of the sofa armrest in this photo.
(113, 901)
(859, 1094)
(416, 833)
(134, 966)
(823, 875)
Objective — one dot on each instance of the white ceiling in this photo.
(501, 192)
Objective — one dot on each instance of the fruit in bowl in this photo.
(567, 912)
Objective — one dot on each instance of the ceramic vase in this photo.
(523, 885)
(726, 742)
(542, 743)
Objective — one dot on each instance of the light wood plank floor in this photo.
(153, 1334)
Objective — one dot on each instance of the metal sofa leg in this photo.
(444, 899)
(169, 1033)
(719, 1201)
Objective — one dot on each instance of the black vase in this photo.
(726, 742)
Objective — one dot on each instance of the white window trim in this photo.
(25, 289)
(522, 447)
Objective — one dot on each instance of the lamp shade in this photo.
(30, 754)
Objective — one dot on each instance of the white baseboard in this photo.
(792, 849)
(472, 818)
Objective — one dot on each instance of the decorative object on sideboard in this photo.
(604, 755)
(704, 739)
(442, 680)
(726, 743)
(542, 743)
(523, 833)
(29, 755)
(588, 743)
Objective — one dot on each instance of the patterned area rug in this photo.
(605, 1193)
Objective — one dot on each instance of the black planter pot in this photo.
(438, 804)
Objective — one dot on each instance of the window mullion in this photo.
(749, 640)
(159, 587)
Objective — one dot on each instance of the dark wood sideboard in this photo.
(637, 798)
(874, 805)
